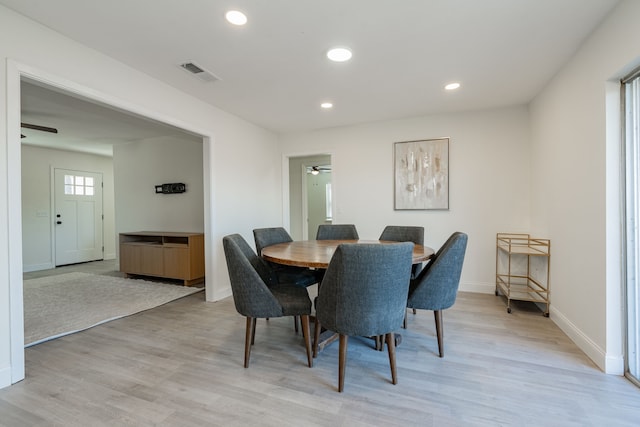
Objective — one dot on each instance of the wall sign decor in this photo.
(421, 174)
(177, 187)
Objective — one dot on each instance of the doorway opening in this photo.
(18, 74)
(310, 194)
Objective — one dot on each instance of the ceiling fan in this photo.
(315, 170)
(37, 127)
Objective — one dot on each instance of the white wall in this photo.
(140, 166)
(241, 162)
(575, 194)
(489, 180)
(37, 229)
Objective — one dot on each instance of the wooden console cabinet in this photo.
(163, 254)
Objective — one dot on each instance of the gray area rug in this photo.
(60, 305)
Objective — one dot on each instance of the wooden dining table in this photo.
(318, 253)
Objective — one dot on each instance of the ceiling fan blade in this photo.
(37, 127)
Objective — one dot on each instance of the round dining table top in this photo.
(318, 253)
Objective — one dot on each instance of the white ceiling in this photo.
(274, 73)
(82, 125)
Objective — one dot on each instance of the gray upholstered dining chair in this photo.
(436, 287)
(363, 293)
(253, 299)
(405, 233)
(337, 232)
(299, 276)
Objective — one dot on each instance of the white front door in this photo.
(78, 216)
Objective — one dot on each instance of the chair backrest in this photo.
(251, 295)
(437, 285)
(364, 290)
(261, 266)
(403, 233)
(337, 232)
(270, 236)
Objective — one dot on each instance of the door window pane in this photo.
(79, 185)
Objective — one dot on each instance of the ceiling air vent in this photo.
(196, 70)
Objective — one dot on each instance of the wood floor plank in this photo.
(181, 364)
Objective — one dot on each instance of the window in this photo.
(79, 185)
(328, 203)
(631, 96)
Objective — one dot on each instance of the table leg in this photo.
(326, 338)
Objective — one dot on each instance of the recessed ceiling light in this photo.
(326, 105)
(452, 86)
(339, 54)
(236, 17)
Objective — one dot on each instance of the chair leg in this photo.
(381, 340)
(414, 311)
(404, 322)
(316, 337)
(295, 323)
(342, 361)
(253, 331)
(250, 331)
(391, 345)
(438, 316)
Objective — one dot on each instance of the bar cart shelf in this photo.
(522, 269)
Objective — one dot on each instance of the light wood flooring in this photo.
(181, 365)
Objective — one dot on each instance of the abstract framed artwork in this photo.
(421, 174)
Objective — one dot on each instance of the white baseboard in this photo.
(37, 267)
(220, 294)
(478, 288)
(5, 377)
(613, 365)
